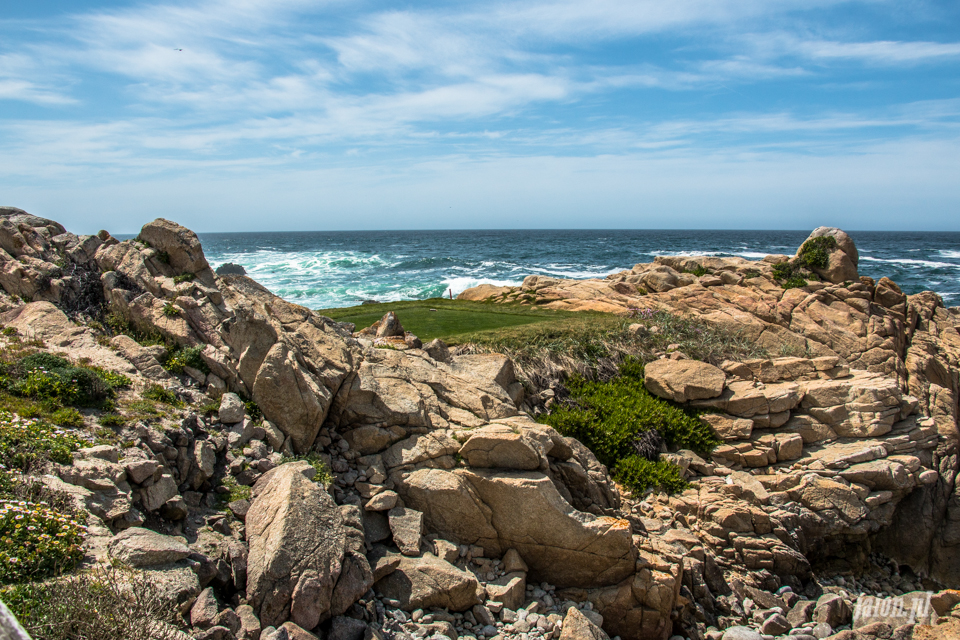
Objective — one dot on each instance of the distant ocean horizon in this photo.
(326, 269)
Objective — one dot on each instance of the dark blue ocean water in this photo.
(326, 269)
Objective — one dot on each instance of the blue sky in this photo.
(294, 114)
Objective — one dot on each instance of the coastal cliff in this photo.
(273, 474)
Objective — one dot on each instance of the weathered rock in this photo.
(232, 409)
(425, 582)
(509, 589)
(140, 547)
(683, 380)
(296, 538)
(576, 626)
(407, 527)
(741, 633)
(832, 610)
(204, 610)
(180, 245)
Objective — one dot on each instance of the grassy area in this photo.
(449, 320)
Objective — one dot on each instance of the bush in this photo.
(323, 476)
(108, 603)
(54, 381)
(815, 252)
(36, 542)
(170, 311)
(112, 420)
(26, 444)
(186, 357)
(159, 394)
(183, 277)
(68, 417)
(611, 417)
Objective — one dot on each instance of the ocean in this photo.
(326, 269)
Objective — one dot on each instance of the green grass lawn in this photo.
(449, 320)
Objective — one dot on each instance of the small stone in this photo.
(232, 409)
(775, 625)
(407, 527)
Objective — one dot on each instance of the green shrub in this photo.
(698, 271)
(609, 417)
(815, 252)
(186, 357)
(54, 381)
(163, 257)
(235, 491)
(159, 394)
(640, 473)
(170, 311)
(794, 282)
(183, 277)
(67, 417)
(10, 331)
(27, 443)
(253, 410)
(323, 476)
(112, 420)
(36, 542)
(107, 603)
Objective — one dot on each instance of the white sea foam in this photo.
(949, 253)
(459, 285)
(913, 263)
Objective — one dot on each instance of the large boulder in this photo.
(296, 537)
(140, 547)
(429, 582)
(577, 626)
(178, 245)
(842, 262)
(500, 510)
(683, 380)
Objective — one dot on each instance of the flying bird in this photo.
(178, 49)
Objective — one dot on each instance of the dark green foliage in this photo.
(698, 271)
(170, 311)
(183, 277)
(794, 282)
(112, 420)
(641, 473)
(188, 357)
(815, 252)
(163, 257)
(751, 273)
(67, 417)
(609, 417)
(253, 410)
(54, 381)
(158, 394)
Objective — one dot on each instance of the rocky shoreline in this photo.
(363, 485)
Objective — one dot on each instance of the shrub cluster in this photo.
(27, 444)
(36, 542)
(611, 417)
(107, 603)
(54, 382)
(814, 254)
(186, 357)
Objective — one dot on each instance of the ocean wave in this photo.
(913, 263)
(949, 253)
(459, 285)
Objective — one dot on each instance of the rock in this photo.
(513, 562)
(157, 494)
(727, 427)
(801, 613)
(407, 527)
(180, 245)
(438, 350)
(296, 537)
(576, 626)
(832, 610)
(509, 589)
(775, 625)
(292, 631)
(383, 501)
(140, 470)
(140, 547)
(741, 633)
(561, 545)
(215, 633)
(501, 446)
(249, 624)
(344, 628)
(204, 610)
(428, 582)
(683, 380)
(447, 551)
(231, 269)
(232, 409)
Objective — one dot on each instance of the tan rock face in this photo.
(180, 244)
(296, 537)
(683, 380)
(428, 581)
(522, 510)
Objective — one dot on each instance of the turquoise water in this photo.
(336, 269)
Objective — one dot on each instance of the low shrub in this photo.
(815, 252)
(36, 542)
(54, 381)
(26, 444)
(186, 357)
(611, 417)
(183, 277)
(107, 603)
(170, 310)
(67, 417)
(112, 420)
(323, 476)
(158, 394)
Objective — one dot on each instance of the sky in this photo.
(247, 115)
